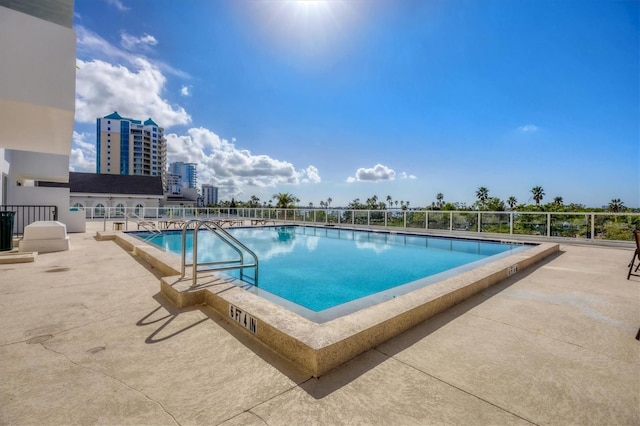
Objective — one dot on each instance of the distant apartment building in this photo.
(174, 184)
(126, 146)
(183, 176)
(209, 194)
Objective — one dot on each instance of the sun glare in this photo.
(311, 7)
(306, 28)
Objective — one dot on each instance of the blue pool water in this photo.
(320, 269)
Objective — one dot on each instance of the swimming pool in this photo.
(324, 273)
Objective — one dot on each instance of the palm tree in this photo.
(512, 201)
(355, 204)
(329, 200)
(254, 201)
(616, 205)
(322, 204)
(440, 199)
(310, 204)
(483, 194)
(558, 201)
(284, 200)
(538, 194)
(396, 203)
(389, 200)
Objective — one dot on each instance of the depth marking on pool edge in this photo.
(243, 318)
(512, 270)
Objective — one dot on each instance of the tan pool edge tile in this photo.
(319, 348)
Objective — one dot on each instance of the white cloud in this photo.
(102, 88)
(130, 42)
(312, 175)
(118, 5)
(375, 174)
(83, 153)
(404, 175)
(91, 46)
(230, 168)
(110, 78)
(528, 128)
(113, 79)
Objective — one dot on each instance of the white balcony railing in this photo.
(587, 226)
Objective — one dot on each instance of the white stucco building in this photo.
(37, 103)
(96, 193)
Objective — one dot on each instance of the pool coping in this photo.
(318, 348)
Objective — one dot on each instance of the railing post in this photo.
(479, 221)
(593, 225)
(510, 223)
(426, 219)
(195, 252)
(548, 224)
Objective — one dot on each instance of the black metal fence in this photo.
(26, 215)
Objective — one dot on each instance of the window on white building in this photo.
(99, 210)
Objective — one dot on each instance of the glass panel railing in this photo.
(530, 223)
(439, 220)
(395, 219)
(570, 225)
(494, 222)
(617, 226)
(416, 220)
(376, 218)
(464, 221)
(578, 225)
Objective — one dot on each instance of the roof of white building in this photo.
(110, 184)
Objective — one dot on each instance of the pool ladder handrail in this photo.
(225, 265)
(141, 222)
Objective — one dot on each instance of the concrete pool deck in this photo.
(87, 338)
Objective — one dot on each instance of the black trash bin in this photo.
(6, 230)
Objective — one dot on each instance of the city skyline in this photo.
(350, 99)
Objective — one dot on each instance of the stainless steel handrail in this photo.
(147, 225)
(224, 265)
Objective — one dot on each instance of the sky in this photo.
(344, 100)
